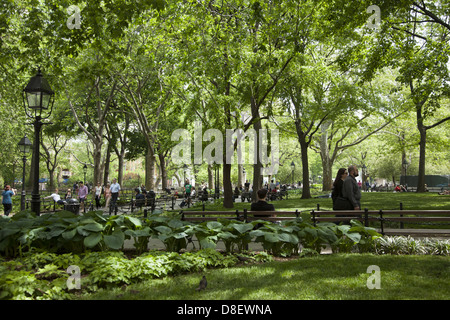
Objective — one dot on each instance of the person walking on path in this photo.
(115, 189)
(187, 188)
(98, 195)
(107, 195)
(351, 190)
(83, 191)
(6, 199)
(339, 202)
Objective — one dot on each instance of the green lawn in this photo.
(313, 278)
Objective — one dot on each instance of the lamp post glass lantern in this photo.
(38, 99)
(24, 147)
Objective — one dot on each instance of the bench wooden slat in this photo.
(206, 218)
(430, 219)
(384, 212)
(270, 218)
(344, 218)
(207, 213)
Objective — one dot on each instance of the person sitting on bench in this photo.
(261, 204)
(140, 198)
(56, 197)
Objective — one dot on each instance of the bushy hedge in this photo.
(64, 232)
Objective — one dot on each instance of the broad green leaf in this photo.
(214, 225)
(92, 240)
(242, 228)
(68, 235)
(135, 221)
(95, 227)
(115, 240)
(163, 229)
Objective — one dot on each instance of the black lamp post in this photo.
(84, 171)
(405, 165)
(38, 99)
(24, 146)
(293, 168)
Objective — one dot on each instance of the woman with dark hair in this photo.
(337, 189)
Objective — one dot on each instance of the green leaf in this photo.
(95, 227)
(355, 237)
(135, 221)
(115, 240)
(175, 223)
(214, 225)
(226, 235)
(68, 235)
(242, 228)
(207, 243)
(163, 229)
(92, 240)
(271, 237)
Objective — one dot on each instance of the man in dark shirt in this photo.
(261, 204)
(140, 198)
(350, 189)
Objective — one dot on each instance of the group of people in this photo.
(346, 193)
(110, 192)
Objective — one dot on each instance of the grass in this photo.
(325, 277)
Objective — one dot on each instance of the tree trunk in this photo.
(97, 154)
(162, 163)
(227, 187)
(327, 175)
(106, 166)
(422, 148)
(149, 170)
(306, 191)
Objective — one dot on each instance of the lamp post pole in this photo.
(35, 196)
(22, 198)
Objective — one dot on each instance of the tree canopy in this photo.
(341, 81)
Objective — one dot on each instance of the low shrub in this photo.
(401, 245)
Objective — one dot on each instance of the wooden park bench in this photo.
(422, 217)
(243, 215)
